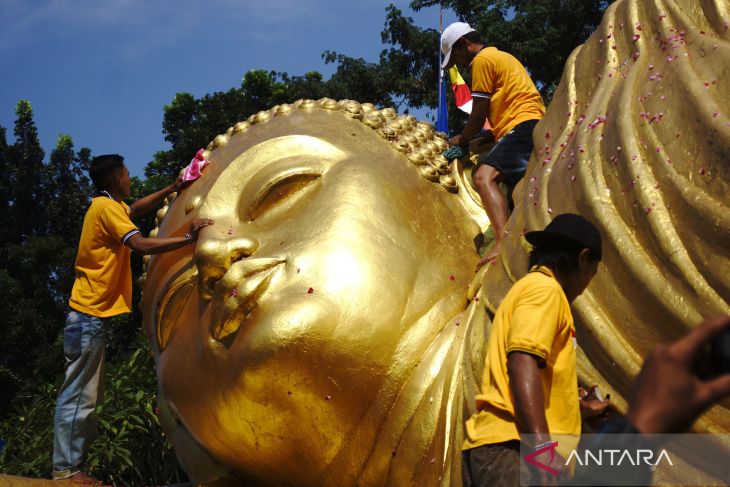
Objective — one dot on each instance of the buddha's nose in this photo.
(213, 257)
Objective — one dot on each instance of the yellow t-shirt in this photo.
(513, 98)
(535, 318)
(103, 285)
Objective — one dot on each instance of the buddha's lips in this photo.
(236, 294)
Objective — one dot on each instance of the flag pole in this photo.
(441, 31)
(442, 123)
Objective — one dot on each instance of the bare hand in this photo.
(591, 406)
(198, 224)
(667, 394)
(179, 185)
(455, 140)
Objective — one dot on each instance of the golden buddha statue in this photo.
(317, 324)
(329, 328)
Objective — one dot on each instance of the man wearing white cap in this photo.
(503, 92)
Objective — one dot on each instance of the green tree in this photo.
(191, 123)
(68, 190)
(5, 187)
(540, 33)
(25, 159)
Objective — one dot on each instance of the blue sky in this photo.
(102, 70)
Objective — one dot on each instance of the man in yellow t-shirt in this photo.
(102, 289)
(530, 385)
(503, 92)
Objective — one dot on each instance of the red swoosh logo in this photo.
(530, 458)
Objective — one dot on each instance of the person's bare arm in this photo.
(526, 388)
(148, 203)
(158, 245)
(479, 113)
(527, 393)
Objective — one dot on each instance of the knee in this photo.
(485, 176)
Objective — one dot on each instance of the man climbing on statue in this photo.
(502, 92)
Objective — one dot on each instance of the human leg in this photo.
(83, 348)
(506, 162)
(486, 180)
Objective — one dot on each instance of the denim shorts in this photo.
(511, 153)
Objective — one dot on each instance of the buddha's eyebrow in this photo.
(251, 168)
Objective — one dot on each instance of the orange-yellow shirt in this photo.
(103, 285)
(513, 98)
(535, 318)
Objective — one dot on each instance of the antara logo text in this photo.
(608, 456)
(616, 457)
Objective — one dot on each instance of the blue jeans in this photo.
(84, 341)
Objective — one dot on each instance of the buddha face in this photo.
(330, 268)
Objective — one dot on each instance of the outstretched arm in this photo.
(148, 203)
(146, 245)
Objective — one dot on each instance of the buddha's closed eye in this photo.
(282, 189)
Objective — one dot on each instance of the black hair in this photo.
(562, 260)
(103, 169)
(473, 37)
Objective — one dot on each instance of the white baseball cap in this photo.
(449, 37)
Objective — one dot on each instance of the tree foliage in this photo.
(540, 33)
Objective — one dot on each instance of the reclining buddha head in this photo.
(342, 249)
